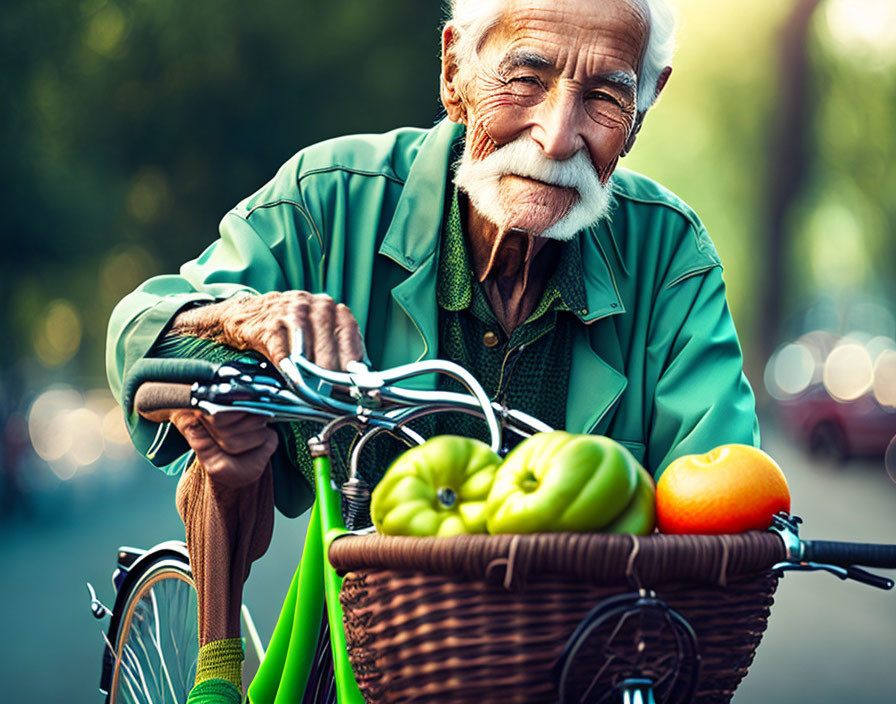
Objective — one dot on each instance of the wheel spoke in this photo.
(156, 656)
(156, 641)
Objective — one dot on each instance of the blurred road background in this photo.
(130, 127)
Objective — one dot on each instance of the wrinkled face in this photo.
(561, 74)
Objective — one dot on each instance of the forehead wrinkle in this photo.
(631, 15)
(621, 35)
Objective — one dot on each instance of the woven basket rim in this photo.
(590, 557)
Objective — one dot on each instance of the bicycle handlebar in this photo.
(378, 384)
(838, 558)
(845, 554)
(253, 388)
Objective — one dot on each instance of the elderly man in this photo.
(504, 238)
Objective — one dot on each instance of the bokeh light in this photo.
(884, 385)
(864, 28)
(890, 459)
(115, 435)
(72, 431)
(792, 369)
(47, 426)
(878, 345)
(57, 336)
(64, 467)
(848, 372)
(86, 430)
(149, 195)
(107, 28)
(123, 269)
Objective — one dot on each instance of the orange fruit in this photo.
(730, 489)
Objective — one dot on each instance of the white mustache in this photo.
(523, 157)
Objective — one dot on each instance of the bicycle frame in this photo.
(316, 587)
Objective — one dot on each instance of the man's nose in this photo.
(556, 128)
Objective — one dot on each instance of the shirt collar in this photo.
(564, 291)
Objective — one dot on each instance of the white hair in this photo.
(474, 19)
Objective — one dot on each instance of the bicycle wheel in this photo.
(157, 643)
(627, 642)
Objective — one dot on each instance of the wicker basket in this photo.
(485, 618)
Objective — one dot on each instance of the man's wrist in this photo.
(220, 321)
(200, 321)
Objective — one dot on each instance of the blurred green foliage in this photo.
(708, 139)
(844, 223)
(131, 126)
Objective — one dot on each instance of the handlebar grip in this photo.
(161, 369)
(837, 553)
(154, 398)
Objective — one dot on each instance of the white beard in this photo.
(481, 180)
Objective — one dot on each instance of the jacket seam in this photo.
(693, 272)
(347, 169)
(298, 206)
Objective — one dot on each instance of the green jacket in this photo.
(656, 363)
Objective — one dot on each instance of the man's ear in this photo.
(449, 87)
(661, 81)
(639, 118)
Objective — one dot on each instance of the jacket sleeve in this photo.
(702, 398)
(266, 249)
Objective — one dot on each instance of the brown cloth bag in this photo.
(226, 531)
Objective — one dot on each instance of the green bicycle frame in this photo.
(283, 675)
(332, 526)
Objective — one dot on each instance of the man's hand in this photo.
(234, 448)
(268, 323)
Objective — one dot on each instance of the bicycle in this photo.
(658, 653)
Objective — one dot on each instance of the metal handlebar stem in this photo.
(375, 385)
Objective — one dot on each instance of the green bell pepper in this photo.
(437, 488)
(561, 482)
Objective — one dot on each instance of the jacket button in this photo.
(490, 339)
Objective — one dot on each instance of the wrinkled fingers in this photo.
(347, 333)
(238, 436)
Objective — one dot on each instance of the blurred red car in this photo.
(839, 429)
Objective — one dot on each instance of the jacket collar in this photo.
(412, 241)
(413, 235)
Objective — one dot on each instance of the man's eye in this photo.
(605, 97)
(528, 80)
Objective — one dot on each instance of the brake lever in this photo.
(866, 577)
